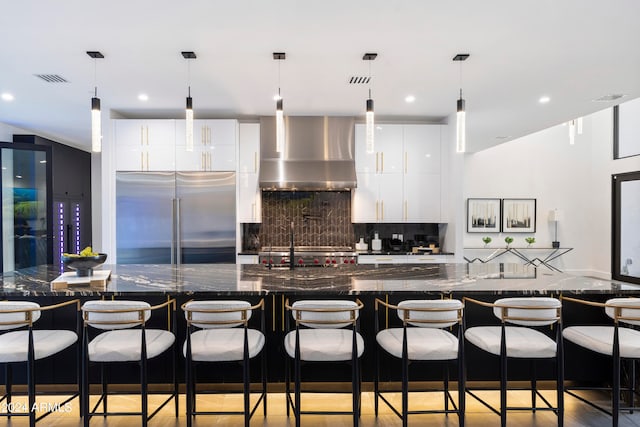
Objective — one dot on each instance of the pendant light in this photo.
(461, 131)
(280, 136)
(96, 120)
(574, 126)
(369, 118)
(189, 106)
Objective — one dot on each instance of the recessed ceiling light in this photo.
(43, 161)
(143, 97)
(409, 98)
(378, 127)
(7, 97)
(19, 176)
(544, 99)
(276, 97)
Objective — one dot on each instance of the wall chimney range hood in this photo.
(318, 154)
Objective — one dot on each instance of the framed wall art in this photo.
(518, 215)
(483, 215)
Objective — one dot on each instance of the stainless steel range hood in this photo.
(318, 154)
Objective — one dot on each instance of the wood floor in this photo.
(577, 413)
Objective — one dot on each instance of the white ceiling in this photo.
(573, 51)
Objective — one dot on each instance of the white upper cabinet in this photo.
(387, 155)
(422, 149)
(214, 146)
(145, 145)
(406, 165)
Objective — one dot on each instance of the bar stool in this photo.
(423, 338)
(618, 342)
(124, 339)
(325, 331)
(525, 341)
(223, 335)
(28, 346)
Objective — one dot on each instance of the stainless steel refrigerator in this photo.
(175, 217)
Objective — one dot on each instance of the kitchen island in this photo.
(256, 280)
(488, 282)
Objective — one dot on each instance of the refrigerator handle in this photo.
(173, 230)
(178, 241)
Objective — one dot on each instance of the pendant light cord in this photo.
(95, 76)
(369, 79)
(460, 79)
(279, 61)
(189, 77)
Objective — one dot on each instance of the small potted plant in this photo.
(486, 241)
(530, 240)
(508, 240)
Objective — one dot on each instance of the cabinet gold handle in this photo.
(208, 135)
(141, 135)
(141, 161)
(147, 138)
(209, 157)
(376, 210)
(406, 210)
(381, 162)
(377, 162)
(255, 162)
(406, 162)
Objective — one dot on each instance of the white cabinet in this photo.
(214, 146)
(249, 194)
(145, 145)
(405, 259)
(430, 259)
(387, 155)
(382, 259)
(247, 259)
(422, 149)
(401, 180)
(364, 201)
(249, 198)
(390, 198)
(422, 198)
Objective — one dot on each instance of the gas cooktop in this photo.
(308, 256)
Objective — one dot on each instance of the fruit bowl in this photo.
(83, 265)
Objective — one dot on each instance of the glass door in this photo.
(26, 214)
(626, 227)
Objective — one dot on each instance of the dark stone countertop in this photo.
(232, 279)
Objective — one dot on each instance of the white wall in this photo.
(7, 131)
(573, 178)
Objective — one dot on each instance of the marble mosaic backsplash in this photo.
(321, 218)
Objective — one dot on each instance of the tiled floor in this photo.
(577, 413)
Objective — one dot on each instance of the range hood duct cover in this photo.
(318, 154)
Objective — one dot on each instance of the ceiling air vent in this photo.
(609, 98)
(52, 78)
(359, 80)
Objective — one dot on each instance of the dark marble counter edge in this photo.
(255, 280)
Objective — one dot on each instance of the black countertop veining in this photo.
(232, 279)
